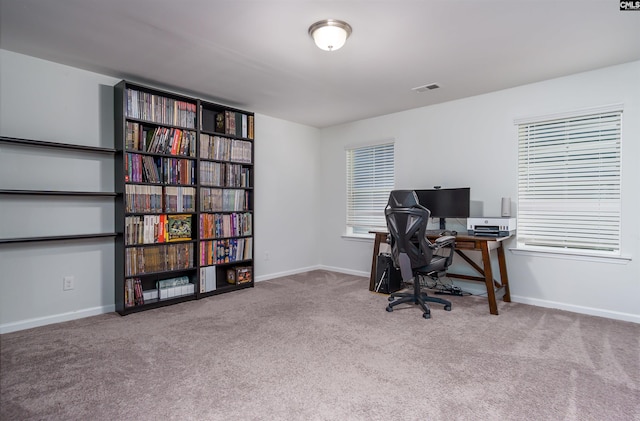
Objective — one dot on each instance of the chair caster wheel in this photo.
(447, 308)
(389, 309)
(390, 298)
(426, 315)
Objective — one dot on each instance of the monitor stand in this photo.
(443, 225)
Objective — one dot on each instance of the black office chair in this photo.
(412, 251)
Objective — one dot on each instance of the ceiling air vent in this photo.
(425, 88)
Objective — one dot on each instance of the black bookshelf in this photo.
(156, 132)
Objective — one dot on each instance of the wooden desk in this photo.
(466, 242)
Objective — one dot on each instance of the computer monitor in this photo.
(446, 203)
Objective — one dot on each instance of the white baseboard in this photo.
(609, 314)
(74, 315)
(286, 273)
(476, 290)
(310, 268)
(56, 318)
(345, 271)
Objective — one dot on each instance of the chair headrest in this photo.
(402, 199)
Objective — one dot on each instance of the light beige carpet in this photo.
(320, 346)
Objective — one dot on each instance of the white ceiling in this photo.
(257, 55)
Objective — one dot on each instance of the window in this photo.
(370, 179)
(569, 182)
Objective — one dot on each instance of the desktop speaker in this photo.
(506, 206)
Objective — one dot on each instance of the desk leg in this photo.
(374, 260)
(503, 274)
(488, 278)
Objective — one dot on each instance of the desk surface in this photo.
(431, 234)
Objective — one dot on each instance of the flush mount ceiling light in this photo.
(330, 34)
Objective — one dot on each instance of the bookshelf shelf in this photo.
(58, 193)
(57, 238)
(156, 303)
(54, 145)
(182, 165)
(32, 143)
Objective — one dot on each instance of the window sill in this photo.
(601, 258)
(358, 237)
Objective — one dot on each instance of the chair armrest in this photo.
(444, 241)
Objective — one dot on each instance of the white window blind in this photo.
(370, 179)
(569, 183)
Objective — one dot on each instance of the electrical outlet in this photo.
(266, 255)
(67, 283)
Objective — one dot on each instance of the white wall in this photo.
(42, 100)
(472, 142)
(286, 212)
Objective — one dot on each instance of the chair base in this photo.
(417, 297)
